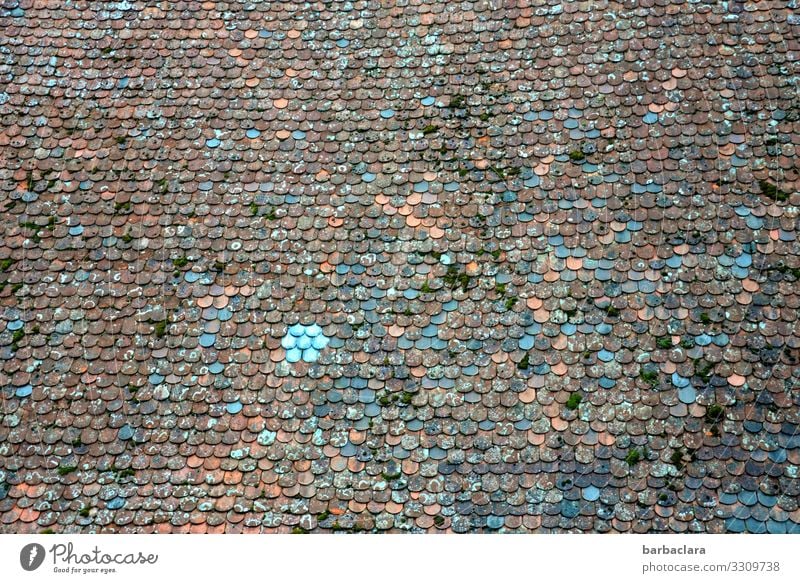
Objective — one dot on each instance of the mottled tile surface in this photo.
(508, 266)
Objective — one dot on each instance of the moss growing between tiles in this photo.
(160, 328)
(633, 457)
(455, 278)
(649, 376)
(715, 413)
(574, 401)
(772, 191)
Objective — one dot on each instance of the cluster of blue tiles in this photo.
(304, 343)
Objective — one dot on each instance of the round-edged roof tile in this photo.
(319, 342)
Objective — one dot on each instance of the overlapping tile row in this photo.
(518, 266)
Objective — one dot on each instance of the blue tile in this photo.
(494, 522)
(755, 526)
(735, 525)
(288, 342)
(216, 368)
(532, 181)
(233, 408)
(207, 340)
(748, 497)
(675, 261)
(776, 527)
(604, 328)
(293, 355)
(607, 383)
(212, 143)
(738, 161)
(439, 318)
(739, 272)
(703, 340)
(687, 395)
(423, 343)
(253, 133)
(319, 342)
(310, 355)
(304, 342)
(125, 432)
(76, 230)
(591, 493)
(680, 381)
(766, 499)
(650, 117)
(570, 508)
(387, 113)
(635, 225)
(754, 222)
(778, 456)
(426, 101)
(605, 355)
(115, 503)
(24, 391)
(342, 43)
(623, 237)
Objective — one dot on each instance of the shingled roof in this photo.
(504, 265)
